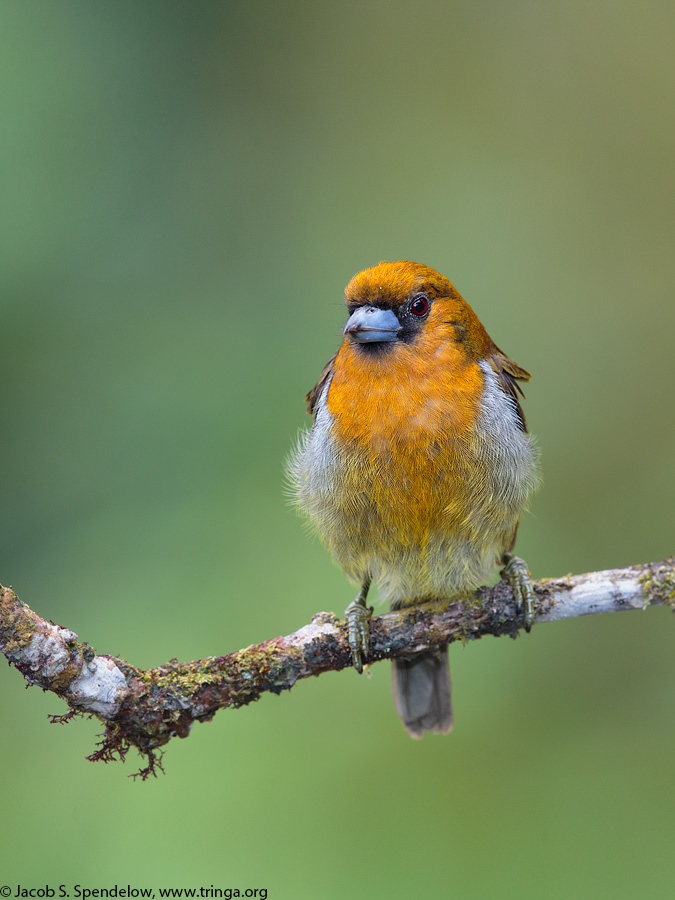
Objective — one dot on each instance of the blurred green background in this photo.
(186, 189)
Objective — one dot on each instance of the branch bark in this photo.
(146, 708)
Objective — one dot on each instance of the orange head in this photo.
(407, 323)
(418, 304)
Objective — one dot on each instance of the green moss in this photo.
(17, 622)
(658, 583)
(182, 682)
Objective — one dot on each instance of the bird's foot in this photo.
(358, 633)
(517, 573)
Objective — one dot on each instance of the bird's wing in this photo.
(313, 397)
(509, 374)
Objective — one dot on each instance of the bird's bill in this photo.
(370, 324)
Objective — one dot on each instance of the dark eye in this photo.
(419, 306)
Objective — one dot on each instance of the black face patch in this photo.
(412, 314)
(375, 348)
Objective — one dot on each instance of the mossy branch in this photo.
(146, 708)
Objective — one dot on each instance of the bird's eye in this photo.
(419, 306)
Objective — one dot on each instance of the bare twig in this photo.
(146, 708)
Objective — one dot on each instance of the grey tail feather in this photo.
(421, 688)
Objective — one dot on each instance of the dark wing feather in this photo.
(509, 374)
(313, 397)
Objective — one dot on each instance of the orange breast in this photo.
(405, 419)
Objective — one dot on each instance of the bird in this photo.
(418, 465)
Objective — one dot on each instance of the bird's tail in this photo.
(421, 688)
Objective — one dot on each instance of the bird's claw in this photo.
(517, 574)
(358, 615)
